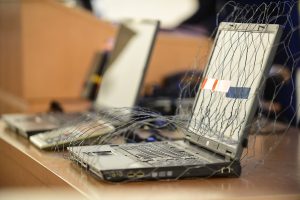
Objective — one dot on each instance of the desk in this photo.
(277, 178)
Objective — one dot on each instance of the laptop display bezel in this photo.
(207, 142)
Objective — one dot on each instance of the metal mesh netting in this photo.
(229, 87)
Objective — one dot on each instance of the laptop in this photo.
(120, 85)
(221, 116)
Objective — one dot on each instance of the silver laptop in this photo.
(220, 119)
(119, 87)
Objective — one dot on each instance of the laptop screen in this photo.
(227, 99)
(124, 75)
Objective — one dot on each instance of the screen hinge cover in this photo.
(212, 145)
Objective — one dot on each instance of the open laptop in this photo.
(221, 116)
(120, 85)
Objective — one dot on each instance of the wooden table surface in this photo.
(271, 170)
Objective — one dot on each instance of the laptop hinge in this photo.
(210, 145)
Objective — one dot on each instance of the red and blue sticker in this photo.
(216, 85)
(238, 92)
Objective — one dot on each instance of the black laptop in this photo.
(222, 114)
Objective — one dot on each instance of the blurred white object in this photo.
(69, 3)
(170, 12)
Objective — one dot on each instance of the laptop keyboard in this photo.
(61, 118)
(72, 134)
(159, 154)
(54, 118)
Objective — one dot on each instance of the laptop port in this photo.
(225, 170)
(130, 174)
(140, 174)
(154, 174)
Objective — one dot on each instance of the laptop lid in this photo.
(228, 96)
(123, 78)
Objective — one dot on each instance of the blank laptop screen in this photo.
(122, 79)
(230, 83)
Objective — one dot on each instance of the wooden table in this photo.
(268, 173)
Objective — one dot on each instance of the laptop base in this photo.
(128, 162)
(228, 170)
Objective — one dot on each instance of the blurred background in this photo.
(52, 53)
(50, 50)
